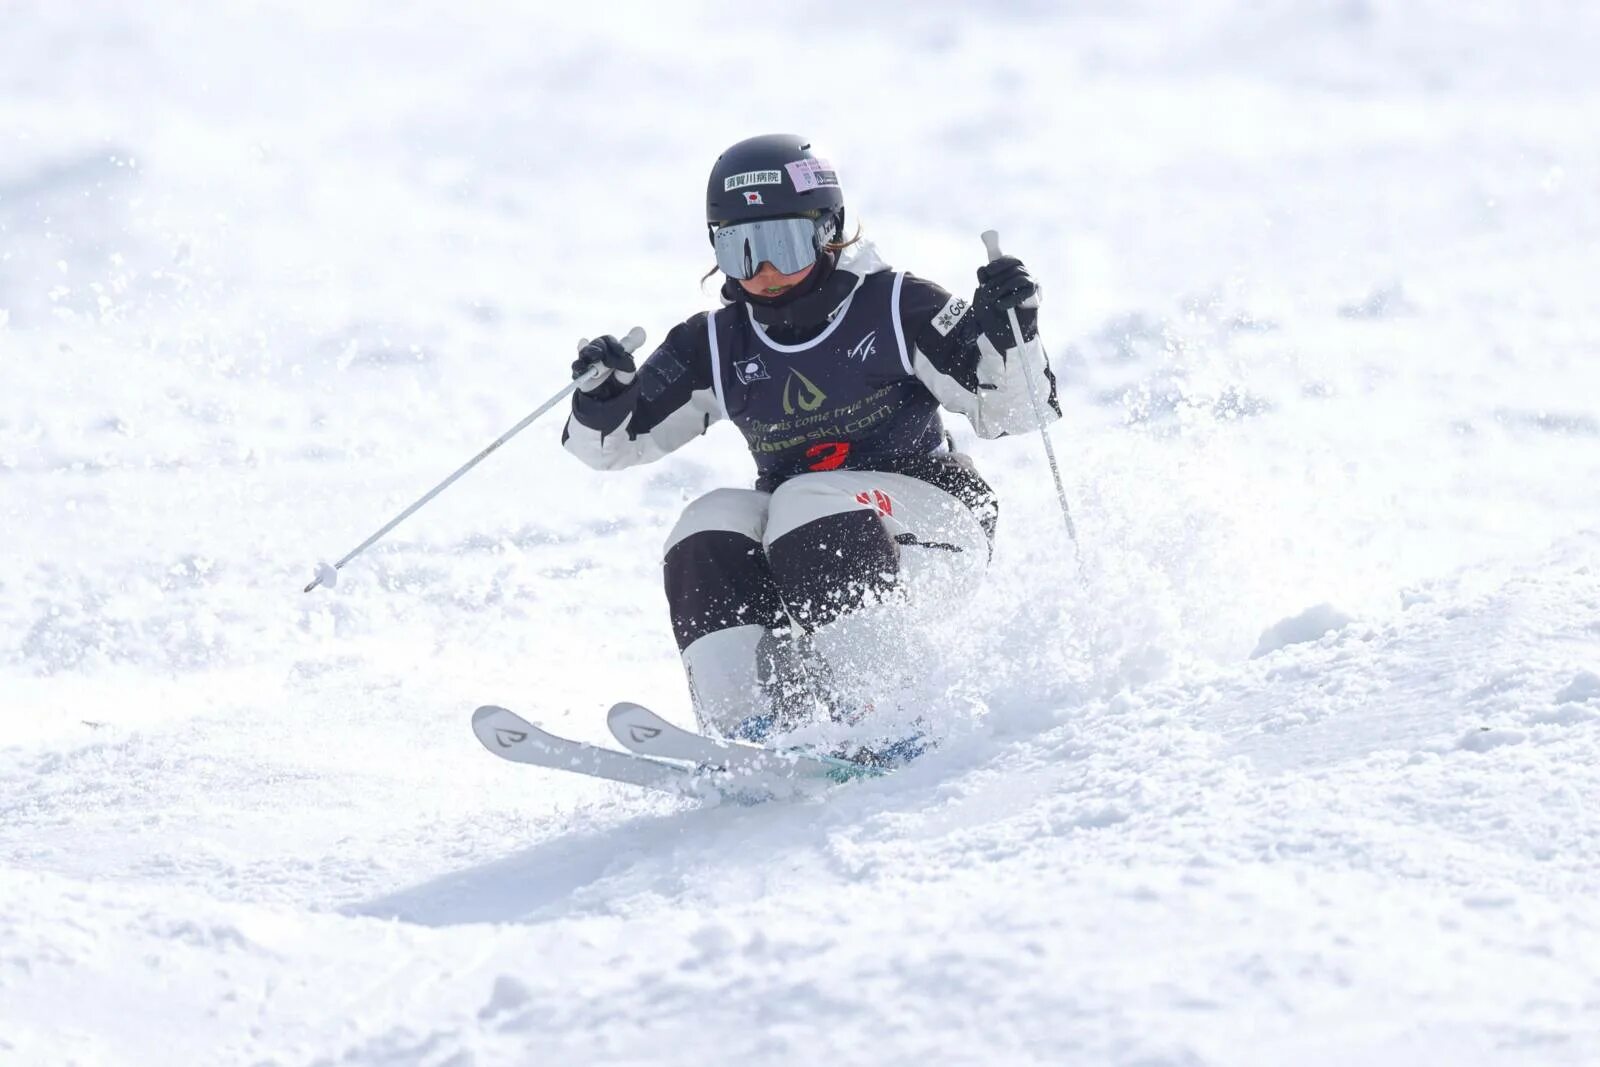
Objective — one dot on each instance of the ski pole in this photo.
(328, 573)
(991, 242)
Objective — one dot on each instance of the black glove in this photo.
(604, 351)
(1003, 285)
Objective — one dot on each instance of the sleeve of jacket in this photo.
(670, 402)
(966, 371)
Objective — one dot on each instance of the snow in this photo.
(1311, 624)
(1320, 287)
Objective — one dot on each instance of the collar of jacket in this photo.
(803, 312)
(806, 308)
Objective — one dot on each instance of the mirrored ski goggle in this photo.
(790, 245)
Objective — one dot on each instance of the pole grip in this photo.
(991, 243)
(599, 372)
(630, 340)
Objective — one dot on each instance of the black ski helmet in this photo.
(773, 175)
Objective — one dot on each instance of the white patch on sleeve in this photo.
(950, 314)
(808, 174)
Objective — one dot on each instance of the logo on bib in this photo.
(867, 346)
(751, 370)
(829, 455)
(809, 397)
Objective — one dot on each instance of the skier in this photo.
(788, 599)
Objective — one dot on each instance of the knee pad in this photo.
(831, 565)
(714, 569)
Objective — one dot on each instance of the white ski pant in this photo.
(854, 559)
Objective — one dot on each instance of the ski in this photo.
(648, 734)
(510, 736)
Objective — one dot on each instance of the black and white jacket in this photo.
(863, 392)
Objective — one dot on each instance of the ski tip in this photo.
(627, 707)
(633, 724)
(494, 714)
(499, 729)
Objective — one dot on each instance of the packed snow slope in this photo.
(1303, 770)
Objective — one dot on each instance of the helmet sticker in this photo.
(751, 177)
(808, 174)
(752, 197)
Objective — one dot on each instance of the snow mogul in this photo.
(789, 599)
